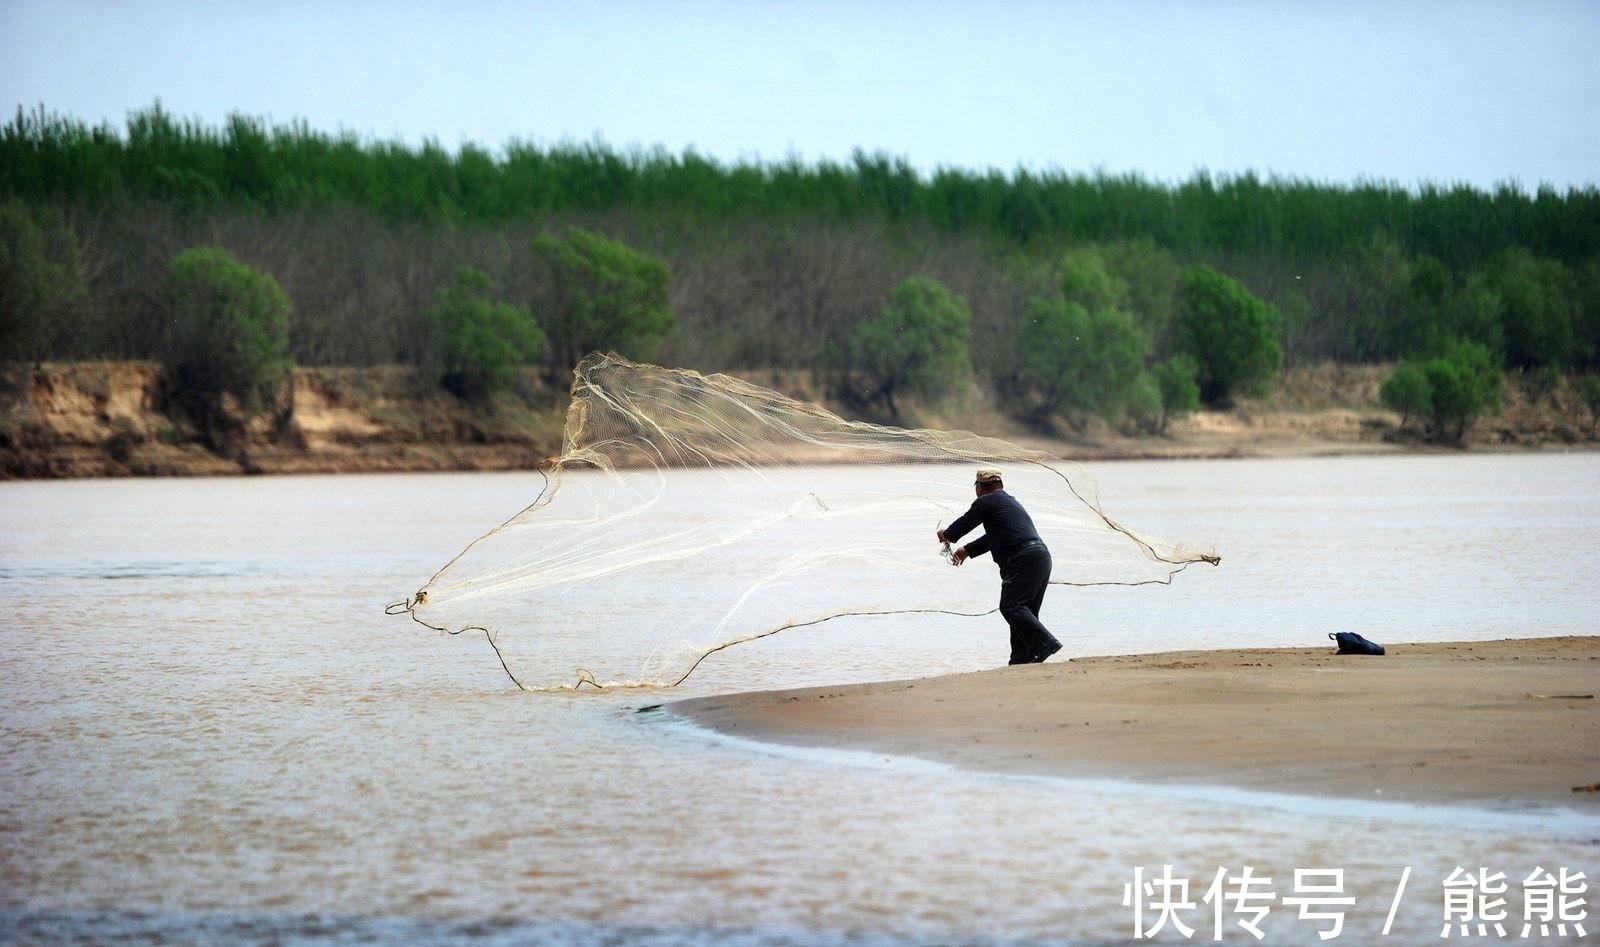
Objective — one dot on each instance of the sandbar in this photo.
(1489, 722)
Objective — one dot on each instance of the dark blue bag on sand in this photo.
(1352, 643)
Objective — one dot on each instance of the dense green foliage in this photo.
(604, 296)
(1462, 384)
(41, 284)
(1407, 391)
(1231, 334)
(44, 156)
(1177, 388)
(1539, 318)
(1137, 280)
(228, 336)
(1437, 312)
(918, 342)
(1075, 359)
(484, 339)
(1077, 288)
(1080, 350)
(1452, 388)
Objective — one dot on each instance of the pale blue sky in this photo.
(1474, 92)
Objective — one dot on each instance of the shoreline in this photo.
(106, 419)
(1458, 723)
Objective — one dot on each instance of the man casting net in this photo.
(689, 513)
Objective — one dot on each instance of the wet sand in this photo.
(1512, 721)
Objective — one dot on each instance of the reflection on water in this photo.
(209, 732)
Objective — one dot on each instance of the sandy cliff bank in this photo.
(108, 419)
(96, 419)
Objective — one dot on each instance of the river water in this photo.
(211, 733)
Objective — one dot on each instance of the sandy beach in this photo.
(1496, 722)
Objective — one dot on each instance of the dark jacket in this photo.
(1007, 527)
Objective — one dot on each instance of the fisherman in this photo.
(1023, 558)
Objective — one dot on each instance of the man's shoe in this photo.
(1049, 649)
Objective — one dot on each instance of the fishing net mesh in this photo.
(689, 513)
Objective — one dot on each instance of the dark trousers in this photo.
(1023, 580)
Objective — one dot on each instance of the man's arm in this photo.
(962, 525)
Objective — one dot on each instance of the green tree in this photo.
(606, 296)
(229, 331)
(1372, 317)
(1473, 314)
(1407, 391)
(1462, 384)
(1075, 359)
(484, 339)
(1587, 276)
(1179, 392)
(1423, 315)
(1084, 278)
(1149, 278)
(41, 285)
(1539, 313)
(917, 343)
(1141, 404)
(1232, 335)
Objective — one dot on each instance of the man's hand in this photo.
(959, 556)
(940, 534)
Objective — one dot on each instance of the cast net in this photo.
(690, 513)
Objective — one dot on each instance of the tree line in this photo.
(1067, 294)
(246, 162)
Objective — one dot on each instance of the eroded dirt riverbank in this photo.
(109, 419)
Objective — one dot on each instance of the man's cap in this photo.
(988, 475)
